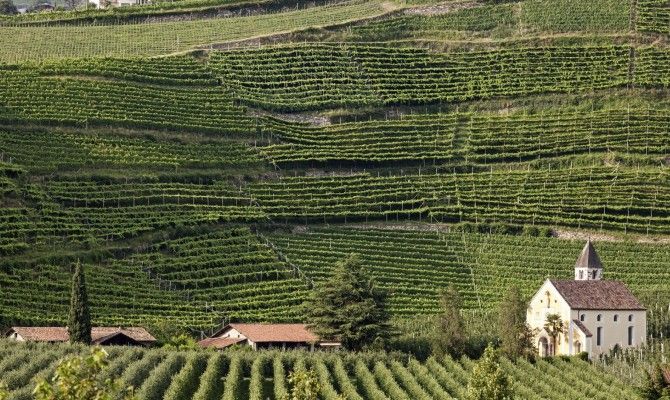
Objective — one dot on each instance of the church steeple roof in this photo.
(589, 257)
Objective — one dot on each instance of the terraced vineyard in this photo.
(193, 282)
(212, 160)
(601, 198)
(20, 43)
(317, 76)
(478, 138)
(415, 265)
(198, 375)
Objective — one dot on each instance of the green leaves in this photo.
(79, 322)
(488, 380)
(79, 377)
(349, 307)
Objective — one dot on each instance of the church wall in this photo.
(613, 332)
(539, 308)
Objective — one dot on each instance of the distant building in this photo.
(104, 336)
(266, 336)
(598, 314)
(118, 3)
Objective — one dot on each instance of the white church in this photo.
(597, 314)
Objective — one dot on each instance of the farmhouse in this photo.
(266, 336)
(104, 336)
(596, 314)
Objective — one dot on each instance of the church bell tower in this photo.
(588, 266)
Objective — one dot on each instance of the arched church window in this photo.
(616, 317)
(600, 316)
(582, 317)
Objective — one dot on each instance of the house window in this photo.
(599, 336)
(600, 316)
(582, 317)
(630, 335)
(630, 318)
(616, 317)
(581, 274)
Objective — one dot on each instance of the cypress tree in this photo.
(349, 307)
(79, 322)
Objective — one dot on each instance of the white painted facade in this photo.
(598, 315)
(627, 328)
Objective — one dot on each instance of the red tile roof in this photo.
(98, 334)
(583, 328)
(219, 343)
(597, 295)
(274, 333)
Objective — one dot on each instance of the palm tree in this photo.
(554, 326)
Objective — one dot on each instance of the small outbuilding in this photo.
(267, 336)
(104, 336)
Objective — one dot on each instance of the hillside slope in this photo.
(224, 182)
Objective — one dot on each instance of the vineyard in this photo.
(160, 374)
(211, 161)
(413, 265)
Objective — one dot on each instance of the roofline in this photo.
(230, 325)
(115, 334)
(610, 309)
(643, 308)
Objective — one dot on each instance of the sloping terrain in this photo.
(223, 182)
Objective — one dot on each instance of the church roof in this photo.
(589, 257)
(582, 327)
(597, 295)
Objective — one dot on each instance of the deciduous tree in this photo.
(449, 336)
(488, 380)
(79, 377)
(516, 337)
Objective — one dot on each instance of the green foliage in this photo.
(79, 322)
(78, 378)
(516, 337)
(149, 39)
(349, 307)
(555, 327)
(449, 336)
(489, 381)
(159, 380)
(655, 386)
(304, 384)
(7, 7)
(181, 342)
(576, 15)
(4, 392)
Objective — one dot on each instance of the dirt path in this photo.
(442, 8)
(562, 234)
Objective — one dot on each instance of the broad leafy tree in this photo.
(80, 377)
(349, 307)
(449, 336)
(516, 337)
(79, 322)
(488, 380)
